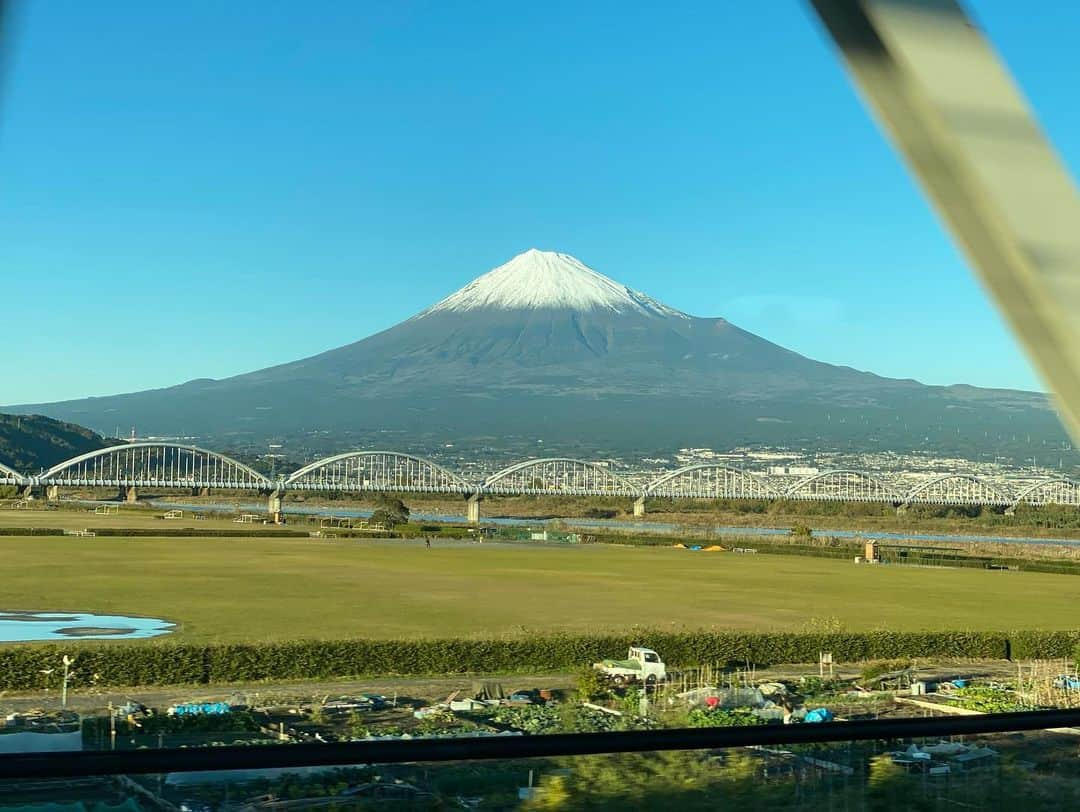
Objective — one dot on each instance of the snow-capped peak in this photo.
(542, 280)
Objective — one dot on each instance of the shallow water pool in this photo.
(22, 626)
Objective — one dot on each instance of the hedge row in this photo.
(843, 550)
(811, 551)
(142, 663)
(161, 532)
(200, 532)
(1059, 567)
(1039, 645)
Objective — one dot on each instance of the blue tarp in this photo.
(200, 708)
(818, 715)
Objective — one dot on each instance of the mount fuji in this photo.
(546, 350)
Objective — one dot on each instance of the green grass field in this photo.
(263, 589)
(81, 518)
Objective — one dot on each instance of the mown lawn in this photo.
(262, 589)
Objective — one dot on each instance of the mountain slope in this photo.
(544, 348)
(29, 443)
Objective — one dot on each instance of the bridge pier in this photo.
(127, 494)
(200, 491)
(639, 507)
(1010, 510)
(901, 509)
(26, 491)
(273, 507)
(472, 509)
(52, 493)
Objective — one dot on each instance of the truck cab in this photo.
(649, 659)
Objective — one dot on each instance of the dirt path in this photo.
(427, 689)
(424, 689)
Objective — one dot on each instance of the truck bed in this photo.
(632, 665)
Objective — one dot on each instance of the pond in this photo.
(22, 626)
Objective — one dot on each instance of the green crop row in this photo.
(159, 663)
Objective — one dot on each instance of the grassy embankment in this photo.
(282, 589)
(1043, 522)
(695, 515)
(146, 520)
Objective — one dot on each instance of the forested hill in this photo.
(29, 443)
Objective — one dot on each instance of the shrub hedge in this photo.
(842, 549)
(1039, 645)
(199, 532)
(159, 663)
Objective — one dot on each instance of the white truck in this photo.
(640, 665)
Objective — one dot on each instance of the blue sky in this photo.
(201, 189)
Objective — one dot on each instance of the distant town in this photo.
(476, 461)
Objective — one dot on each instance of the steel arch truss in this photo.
(841, 486)
(559, 475)
(957, 489)
(159, 465)
(710, 481)
(380, 471)
(9, 476)
(1051, 492)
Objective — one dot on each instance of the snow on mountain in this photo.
(546, 280)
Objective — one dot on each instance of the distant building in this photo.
(793, 470)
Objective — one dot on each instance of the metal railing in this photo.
(79, 764)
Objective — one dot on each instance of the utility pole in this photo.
(67, 675)
(112, 727)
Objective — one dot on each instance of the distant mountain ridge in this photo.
(29, 443)
(544, 348)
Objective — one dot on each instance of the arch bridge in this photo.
(170, 465)
(156, 465)
(558, 475)
(553, 476)
(9, 476)
(1059, 491)
(362, 471)
(841, 486)
(710, 481)
(959, 490)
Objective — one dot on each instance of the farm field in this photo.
(258, 589)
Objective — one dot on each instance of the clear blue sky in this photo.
(203, 188)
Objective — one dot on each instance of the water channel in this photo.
(627, 524)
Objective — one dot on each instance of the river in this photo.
(628, 524)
